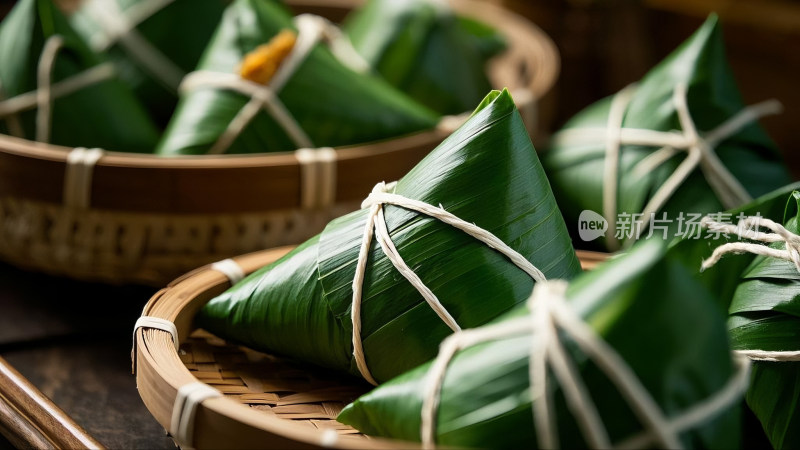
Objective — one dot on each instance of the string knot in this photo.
(748, 228)
(380, 188)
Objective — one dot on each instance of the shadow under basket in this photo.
(147, 219)
(268, 401)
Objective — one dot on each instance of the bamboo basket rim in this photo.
(275, 173)
(223, 421)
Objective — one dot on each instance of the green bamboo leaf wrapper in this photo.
(487, 173)
(333, 104)
(759, 293)
(180, 32)
(105, 114)
(576, 171)
(660, 320)
(765, 315)
(424, 49)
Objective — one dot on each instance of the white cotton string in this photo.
(541, 396)
(158, 324)
(548, 310)
(154, 323)
(134, 15)
(78, 176)
(44, 82)
(700, 153)
(317, 177)
(358, 283)
(121, 29)
(575, 391)
(184, 411)
(618, 371)
(449, 347)
(47, 91)
(309, 33)
(321, 29)
(705, 410)
(616, 116)
(232, 271)
(29, 100)
(773, 356)
(261, 97)
(376, 224)
(748, 228)
(381, 196)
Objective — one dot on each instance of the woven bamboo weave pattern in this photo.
(271, 385)
(148, 248)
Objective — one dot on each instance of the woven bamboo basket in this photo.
(149, 219)
(268, 402)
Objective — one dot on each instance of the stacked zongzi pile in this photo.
(246, 77)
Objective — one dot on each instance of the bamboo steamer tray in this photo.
(152, 218)
(269, 401)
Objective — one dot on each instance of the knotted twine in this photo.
(548, 312)
(376, 225)
(42, 98)
(120, 28)
(748, 229)
(699, 150)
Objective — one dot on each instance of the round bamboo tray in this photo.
(152, 218)
(268, 401)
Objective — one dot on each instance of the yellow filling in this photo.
(261, 64)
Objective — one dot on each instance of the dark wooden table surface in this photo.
(72, 340)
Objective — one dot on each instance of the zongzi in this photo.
(633, 354)
(764, 321)
(152, 43)
(54, 89)
(313, 100)
(621, 157)
(462, 238)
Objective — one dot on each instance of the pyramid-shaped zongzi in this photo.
(486, 174)
(90, 107)
(619, 359)
(688, 146)
(331, 103)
